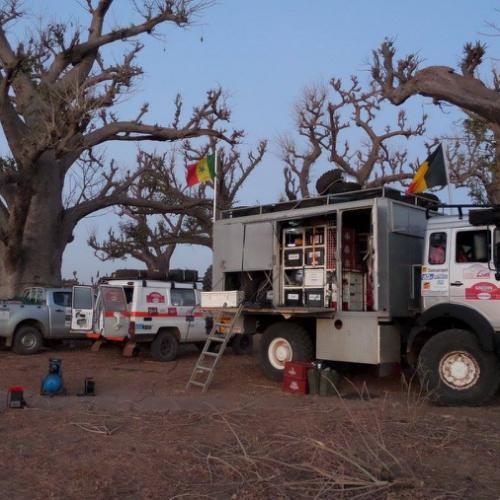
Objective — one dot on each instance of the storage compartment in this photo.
(293, 297)
(294, 277)
(293, 258)
(315, 257)
(315, 297)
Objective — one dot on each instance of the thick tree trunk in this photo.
(37, 233)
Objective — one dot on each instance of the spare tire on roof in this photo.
(327, 180)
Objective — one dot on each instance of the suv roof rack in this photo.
(460, 208)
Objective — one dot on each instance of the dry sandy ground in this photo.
(143, 436)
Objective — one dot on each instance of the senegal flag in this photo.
(430, 174)
(202, 171)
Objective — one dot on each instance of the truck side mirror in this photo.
(496, 253)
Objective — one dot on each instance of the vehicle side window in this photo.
(472, 246)
(182, 297)
(437, 248)
(34, 296)
(62, 299)
(83, 299)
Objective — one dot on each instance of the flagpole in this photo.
(447, 170)
(215, 186)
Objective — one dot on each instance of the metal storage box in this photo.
(315, 257)
(293, 257)
(222, 299)
(315, 297)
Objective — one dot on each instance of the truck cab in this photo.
(455, 341)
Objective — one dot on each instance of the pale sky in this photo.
(263, 53)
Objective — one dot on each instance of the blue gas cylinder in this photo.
(52, 383)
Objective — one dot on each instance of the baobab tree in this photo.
(326, 118)
(58, 101)
(479, 99)
(152, 238)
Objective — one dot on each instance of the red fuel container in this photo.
(297, 369)
(294, 385)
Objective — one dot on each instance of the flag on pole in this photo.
(431, 173)
(202, 171)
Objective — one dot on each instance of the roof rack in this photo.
(459, 206)
(332, 199)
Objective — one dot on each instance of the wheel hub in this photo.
(28, 341)
(279, 352)
(459, 370)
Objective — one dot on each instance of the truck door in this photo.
(113, 314)
(472, 280)
(191, 324)
(60, 313)
(82, 309)
(435, 277)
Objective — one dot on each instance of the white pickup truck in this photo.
(40, 315)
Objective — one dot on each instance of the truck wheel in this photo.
(281, 342)
(242, 344)
(164, 347)
(27, 340)
(456, 371)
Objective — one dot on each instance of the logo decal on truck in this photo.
(483, 291)
(155, 298)
(476, 271)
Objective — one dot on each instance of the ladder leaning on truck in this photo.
(370, 276)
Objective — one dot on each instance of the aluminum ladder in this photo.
(202, 375)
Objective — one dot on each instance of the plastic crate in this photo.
(222, 299)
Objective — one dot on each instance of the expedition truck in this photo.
(132, 309)
(370, 276)
(40, 315)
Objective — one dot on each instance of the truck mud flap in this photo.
(129, 349)
(96, 346)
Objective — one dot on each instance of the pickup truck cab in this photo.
(41, 314)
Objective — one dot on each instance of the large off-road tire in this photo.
(281, 342)
(242, 344)
(455, 370)
(27, 340)
(327, 180)
(164, 347)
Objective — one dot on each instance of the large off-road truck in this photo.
(370, 276)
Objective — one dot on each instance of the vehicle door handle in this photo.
(456, 283)
(59, 311)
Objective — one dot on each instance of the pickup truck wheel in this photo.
(164, 347)
(282, 342)
(27, 340)
(242, 344)
(456, 371)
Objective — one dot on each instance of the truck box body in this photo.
(251, 242)
(353, 256)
